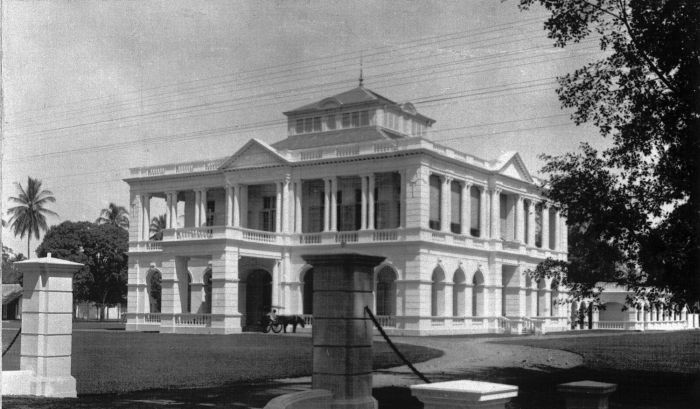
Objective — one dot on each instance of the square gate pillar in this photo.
(47, 325)
(342, 332)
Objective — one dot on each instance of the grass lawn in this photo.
(118, 361)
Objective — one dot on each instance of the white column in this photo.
(236, 190)
(531, 224)
(168, 209)
(466, 208)
(496, 214)
(483, 216)
(197, 199)
(297, 204)
(557, 230)
(276, 275)
(279, 207)
(370, 199)
(173, 211)
(563, 234)
(286, 214)
(363, 216)
(334, 204)
(403, 198)
(519, 219)
(445, 193)
(545, 225)
(146, 215)
(326, 204)
(243, 203)
(229, 205)
(203, 208)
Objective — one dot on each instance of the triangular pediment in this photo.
(514, 167)
(254, 154)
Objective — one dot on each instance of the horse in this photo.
(293, 320)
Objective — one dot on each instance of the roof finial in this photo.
(361, 79)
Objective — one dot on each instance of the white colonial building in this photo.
(356, 173)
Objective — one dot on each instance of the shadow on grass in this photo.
(537, 388)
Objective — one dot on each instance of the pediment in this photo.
(254, 154)
(514, 167)
(329, 103)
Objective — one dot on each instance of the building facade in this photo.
(356, 173)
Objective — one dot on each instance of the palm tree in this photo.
(29, 216)
(116, 215)
(157, 227)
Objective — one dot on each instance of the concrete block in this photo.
(344, 386)
(464, 394)
(337, 304)
(16, 382)
(343, 331)
(342, 360)
(586, 394)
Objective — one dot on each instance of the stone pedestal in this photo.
(586, 394)
(47, 325)
(342, 333)
(464, 394)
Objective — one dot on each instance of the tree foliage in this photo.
(156, 228)
(114, 215)
(29, 215)
(634, 208)
(102, 248)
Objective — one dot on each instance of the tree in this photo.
(10, 274)
(29, 216)
(156, 228)
(637, 202)
(102, 248)
(114, 215)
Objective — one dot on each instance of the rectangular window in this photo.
(503, 203)
(267, 215)
(308, 124)
(346, 120)
(330, 122)
(355, 119)
(300, 126)
(210, 213)
(364, 118)
(475, 206)
(317, 124)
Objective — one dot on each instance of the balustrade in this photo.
(192, 320)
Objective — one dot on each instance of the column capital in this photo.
(467, 184)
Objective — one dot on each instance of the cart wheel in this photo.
(276, 327)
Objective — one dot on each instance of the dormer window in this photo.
(307, 125)
(330, 122)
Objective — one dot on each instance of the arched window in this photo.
(207, 291)
(154, 290)
(308, 292)
(458, 294)
(386, 292)
(437, 302)
(478, 295)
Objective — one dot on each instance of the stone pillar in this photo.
(531, 229)
(226, 318)
(47, 326)
(557, 231)
(466, 214)
(342, 332)
(229, 206)
(464, 394)
(146, 214)
(279, 207)
(370, 200)
(519, 219)
(243, 203)
(403, 198)
(236, 205)
(483, 216)
(334, 204)
(297, 205)
(196, 297)
(276, 280)
(173, 209)
(203, 207)
(326, 204)
(445, 193)
(363, 206)
(586, 394)
(287, 211)
(496, 214)
(545, 225)
(197, 209)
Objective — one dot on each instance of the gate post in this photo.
(342, 333)
(47, 325)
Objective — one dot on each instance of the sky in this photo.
(95, 87)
